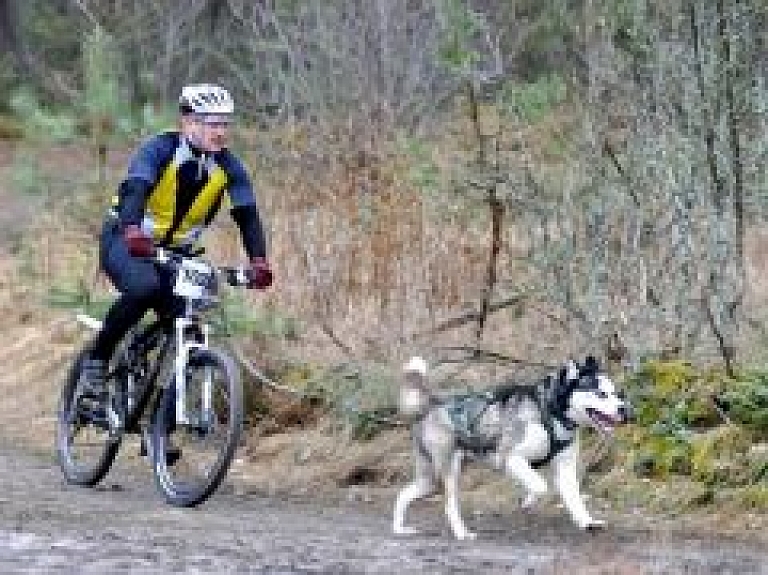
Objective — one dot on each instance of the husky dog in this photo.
(514, 428)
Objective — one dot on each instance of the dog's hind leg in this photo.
(420, 488)
(452, 503)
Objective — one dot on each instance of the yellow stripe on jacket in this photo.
(161, 204)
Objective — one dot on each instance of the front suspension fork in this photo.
(185, 345)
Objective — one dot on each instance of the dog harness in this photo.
(556, 445)
(551, 412)
(465, 413)
(467, 410)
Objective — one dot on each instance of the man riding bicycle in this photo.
(176, 183)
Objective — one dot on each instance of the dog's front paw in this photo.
(592, 525)
(402, 530)
(466, 536)
(527, 503)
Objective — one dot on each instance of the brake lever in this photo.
(237, 276)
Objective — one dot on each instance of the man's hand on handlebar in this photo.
(139, 244)
(260, 273)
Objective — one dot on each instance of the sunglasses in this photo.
(213, 120)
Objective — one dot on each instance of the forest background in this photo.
(496, 185)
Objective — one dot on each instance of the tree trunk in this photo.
(9, 23)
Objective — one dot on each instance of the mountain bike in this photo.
(165, 383)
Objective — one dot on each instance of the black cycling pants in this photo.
(142, 285)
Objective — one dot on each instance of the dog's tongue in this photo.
(607, 427)
(604, 422)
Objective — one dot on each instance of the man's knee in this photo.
(141, 288)
(135, 280)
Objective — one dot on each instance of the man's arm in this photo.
(244, 209)
(246, 215)
(251, 230)
(143, 172)
(133, 194)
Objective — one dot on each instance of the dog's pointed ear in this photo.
(590, 367)
(567, 378)
(571, 370)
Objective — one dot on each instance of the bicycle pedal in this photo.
(172, 456)
(144, 444)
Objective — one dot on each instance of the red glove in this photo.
(260, 274)
(139, 244)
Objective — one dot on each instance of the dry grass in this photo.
(358, 252)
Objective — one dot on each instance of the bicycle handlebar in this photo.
(236, 276)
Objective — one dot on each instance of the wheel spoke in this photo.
(191, 459)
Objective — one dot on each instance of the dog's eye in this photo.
(601, 394)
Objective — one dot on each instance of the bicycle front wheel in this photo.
(191, 459)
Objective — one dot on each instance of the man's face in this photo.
(209, 132)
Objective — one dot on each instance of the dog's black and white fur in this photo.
(516, 429)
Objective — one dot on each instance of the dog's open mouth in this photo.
(603, 421)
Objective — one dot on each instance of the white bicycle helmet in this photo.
(206, 99)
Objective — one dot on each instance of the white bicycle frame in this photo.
(183, 347)
(187, 287)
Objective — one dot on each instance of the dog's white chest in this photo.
(540, 443)
(534, 443)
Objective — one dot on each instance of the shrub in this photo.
(41, 123)
(679, 431)
(718, 457)
(745, 400)
(534, 100)
(10, 128)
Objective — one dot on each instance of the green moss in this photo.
(679, 431)
(745, 399)
(669, 377)
(710, 449)
(658, 456)
(659, 387)
(754, 497)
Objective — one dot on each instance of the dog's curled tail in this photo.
(415, 395)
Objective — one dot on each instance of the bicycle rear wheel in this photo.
(85, 448)
(190, 460)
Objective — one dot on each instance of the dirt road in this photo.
(123, 527)
(269, 517)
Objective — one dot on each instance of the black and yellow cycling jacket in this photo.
(173, 191)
